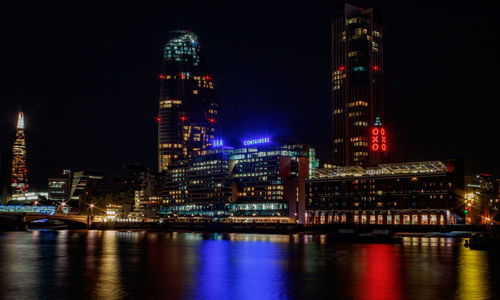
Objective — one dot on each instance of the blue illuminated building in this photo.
(262, 179)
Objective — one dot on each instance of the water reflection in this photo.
(109, 279)
(473, 275)
(251, 268)
(140, 264)
(380, 278)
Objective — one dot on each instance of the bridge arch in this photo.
(18, 221)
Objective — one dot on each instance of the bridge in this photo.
(20, 220)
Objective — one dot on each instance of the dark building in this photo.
(6, 176)
(80, 184)
(132, 173)
(188, 110)
(260, 180)
(357, 84)
(102, 194)
(423, 193)
(59, 188)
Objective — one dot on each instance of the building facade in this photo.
(59, 188)
(79, 193)
(188, 108)
(418, 193)
(19, 181)
(481, 199)
(357, 84)
(262, 179)
(147, 195)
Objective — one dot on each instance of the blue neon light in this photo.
(264, 140)
(218, 143)
(358, 69)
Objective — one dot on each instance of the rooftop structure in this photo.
(395, 169)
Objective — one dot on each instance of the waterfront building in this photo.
(481, 198)
(261, 179)
(28, 198)
(423, 193)
(147, 195)
(357, 84)
(78, 193)
(59, 188)
(115, 211)
(188, 106)
(19, 181)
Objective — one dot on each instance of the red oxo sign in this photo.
(379, 139)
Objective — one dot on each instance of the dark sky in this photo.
(86, 77)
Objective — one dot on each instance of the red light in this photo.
(341, 68)
(375, 68)
(212, 120)
(378, 139)
(183, 118)
(161, 76)
(207, 77)
(158, 119)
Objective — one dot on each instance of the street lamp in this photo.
(92, 210)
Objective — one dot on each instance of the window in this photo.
(358, 103)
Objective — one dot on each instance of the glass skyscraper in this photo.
(189, 108)
(19, 169)
(357, 83)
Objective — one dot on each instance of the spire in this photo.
(20, 121)
(19, 182)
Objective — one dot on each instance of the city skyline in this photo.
(72, 134)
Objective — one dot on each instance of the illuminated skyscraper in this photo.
(188, 111)
(19, 169)
(357, 83)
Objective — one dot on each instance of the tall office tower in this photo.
(357, 83)
(19, 182)
(189, 106)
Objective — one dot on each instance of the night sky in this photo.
(86, 77)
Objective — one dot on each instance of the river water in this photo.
(157, 265)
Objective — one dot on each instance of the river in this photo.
(92, 264)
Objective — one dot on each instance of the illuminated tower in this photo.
(188, 111)
(357, 82)
(19, 170)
